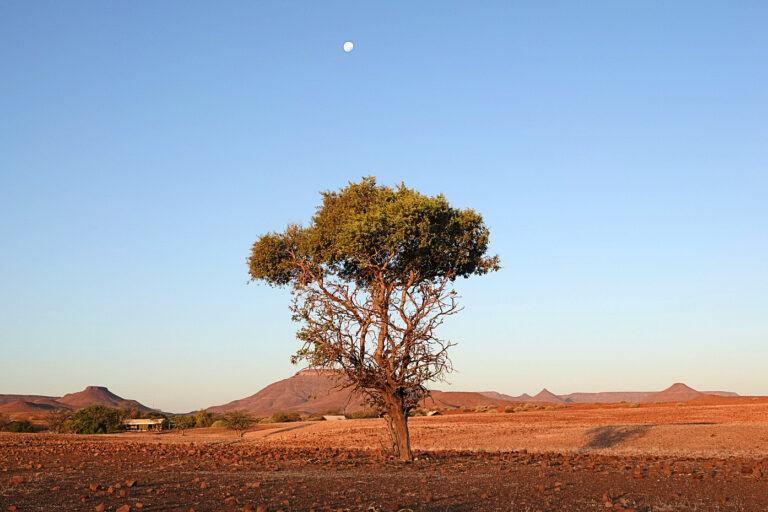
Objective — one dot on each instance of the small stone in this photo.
(94, 487)
(17, 480)
(129, 483)
(99, 508)
(124, 508)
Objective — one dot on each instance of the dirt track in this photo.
(651, 459)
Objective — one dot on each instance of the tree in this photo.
(204, 418)
(372, 279)
(4, 420)
(239, 421)
(184, 422)
(95, 419)
(57, 420)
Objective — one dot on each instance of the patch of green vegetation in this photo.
(20, 426)
(284, 417)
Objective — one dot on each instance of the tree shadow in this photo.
(611, 435)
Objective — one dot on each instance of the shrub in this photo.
(417, 412)
(20, 426)
(493, 410)
(549, 408)
(219, 424)
(634, 405)
(529, 406)
(481, 408)
(509, 409)
(365, 413)
(284, 417)
(204, 418)
(519, 409)
(680, 404)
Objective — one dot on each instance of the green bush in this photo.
(204, 418)
(95, 419)
(417, 412)
(219, 424)
(20, 426)
(365, 413)
(550, 408)
(634, 405)
(183, 422)
(284, 417)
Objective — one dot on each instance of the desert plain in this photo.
(700, 455)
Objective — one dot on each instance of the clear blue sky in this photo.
(618, 151)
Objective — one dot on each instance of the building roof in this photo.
(151, 421)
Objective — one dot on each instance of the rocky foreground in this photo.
(108, 473)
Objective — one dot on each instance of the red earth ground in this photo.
(652, 457)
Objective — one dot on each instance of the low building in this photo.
(146, 425)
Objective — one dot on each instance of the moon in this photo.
(348, 46)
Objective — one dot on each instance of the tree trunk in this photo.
(397, 424)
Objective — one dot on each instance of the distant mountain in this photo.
(461, 399)
(677, 392)
(500, 396)
(314, 391)
(547, 396)
(308, 391)
(92, 395)
(99, 395)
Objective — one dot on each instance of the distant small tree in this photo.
(204, 418)
(183, 422)
(57, 420)
(372, 279)
(239, 421)
(4, 420)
